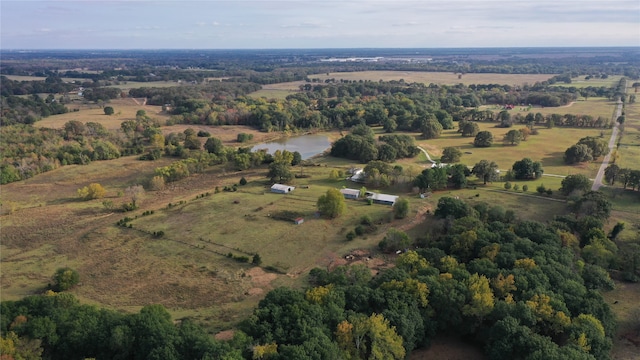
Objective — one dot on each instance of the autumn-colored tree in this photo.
(503, 285)
(481, 299)
(411, 262)
(527, 264)
(264, 351)
(93, 191)
(410, 286)
(370, 337)
(318, 294)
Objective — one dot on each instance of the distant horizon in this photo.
(331, 48)
(316, 24)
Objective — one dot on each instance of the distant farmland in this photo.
(441, 78)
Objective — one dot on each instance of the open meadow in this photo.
(547, 147)
(124, 109)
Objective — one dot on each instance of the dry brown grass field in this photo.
(441, 78)
(125, 109)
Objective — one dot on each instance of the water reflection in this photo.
(307, 145)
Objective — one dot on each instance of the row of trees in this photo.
(361, 145)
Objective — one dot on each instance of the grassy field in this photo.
(593, 106)
(580, 82)
(629, 143)
(273, 93)
(441, 78)
(547, 147)
(125, 109)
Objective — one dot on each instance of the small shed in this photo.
(350, 193)
(298, 221)
(281, 189)
(384, 199)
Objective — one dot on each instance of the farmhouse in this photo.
(383, 199)
(281, 189)
(350, 193)
(358, 176)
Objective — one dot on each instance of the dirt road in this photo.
(597, 183)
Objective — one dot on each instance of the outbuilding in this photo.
(298, 221)
(383, 199)
(350, 193)
(282, 189)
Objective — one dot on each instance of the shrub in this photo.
(157, 183)
(243, 181)
(93, 191)
(65, 279)
(359, 230)
(507, 185)
(366, 220)
(525, 188)
(516, 187)
(202, 133)
(549, 192)
(108, 110)
(541, 189)
(257, 260)
(243, 137)
(401, 208)
(351, 235)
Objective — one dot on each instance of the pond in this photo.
(307, 145)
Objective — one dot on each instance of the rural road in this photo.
(597, 183)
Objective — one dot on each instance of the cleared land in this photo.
(581, 82)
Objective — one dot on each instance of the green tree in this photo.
(578, 153)
(611, 173)
(394, 240)
(451, 155)
(214, 146)
(577, 182)
(401, 208)
(513, 137)
(108, 110)
(485, 170)
(332, 203)
(431, 129)
(470, 129)
(483, 139)
(279, 172)
(526, 169)
(456, 208)
(599, 147)
(65, 278)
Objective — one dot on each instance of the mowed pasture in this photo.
(581, 82)
(548, 147)
(592, 106)
(629, 143)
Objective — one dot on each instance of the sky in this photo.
(270, 24)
